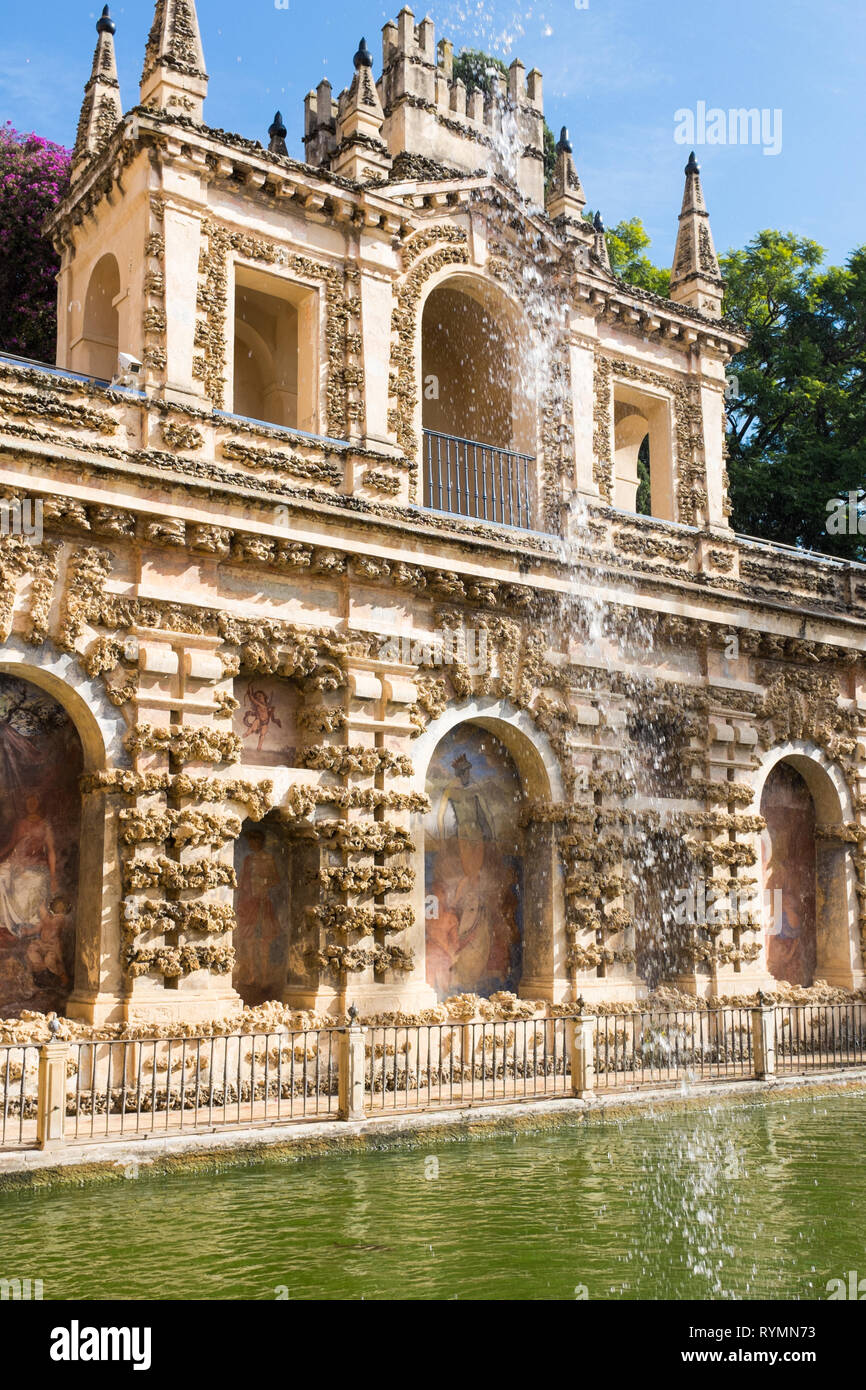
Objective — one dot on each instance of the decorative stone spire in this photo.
(101, 110)
(361, 153)
(600, 243)
(174, 77)
(565, 197)
(278, 133)
(695, 278)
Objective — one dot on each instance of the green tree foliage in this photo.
(476, 70)
(34, 176)
(797, 395)
(626, 245)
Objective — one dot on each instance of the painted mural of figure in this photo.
(473, 934)
(260, 940)
(464, 818)
(28, 871)
(788, 854)
(260, 715)
(45, 953)
(40, 808)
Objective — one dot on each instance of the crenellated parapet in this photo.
(429, 114)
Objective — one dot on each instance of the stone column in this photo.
(352, 1071)
(581, 1046)
(764, 1039)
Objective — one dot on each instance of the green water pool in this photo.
(752, 1201)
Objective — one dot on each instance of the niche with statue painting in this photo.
(474, 866)
(41, 761)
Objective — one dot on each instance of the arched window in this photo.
(41, 761)
(474, 866)
(477, 409)
(789, 867)
(96, 352)
(643, 452)
(275, 350)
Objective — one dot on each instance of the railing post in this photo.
(764, 1038)
(582, 1049)
(51, 1095)
(352, 1069)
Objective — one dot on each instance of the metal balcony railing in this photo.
(473, 479)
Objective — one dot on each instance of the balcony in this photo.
(468, 478)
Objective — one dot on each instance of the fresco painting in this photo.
(40, 818)
(473, 866)
(789, 867)
(261, 937)
(264, 720)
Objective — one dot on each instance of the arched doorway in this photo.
(789, 862)
(96, 353)
(474, 866)
(477, 409)
(41, 761)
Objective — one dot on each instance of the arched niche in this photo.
(804, 797)
(516, 872)
(41, 838)
(95, 353)
(273, 881)
(98, 983)
(478, 402)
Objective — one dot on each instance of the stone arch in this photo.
(474, 322)
(96, 353)
(838, 952)
(98, 985)
(451, 249)
(476, 384)
(544, 971)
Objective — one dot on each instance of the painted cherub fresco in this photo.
(260, 714)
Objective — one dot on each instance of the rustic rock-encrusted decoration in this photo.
(174, 77)
(451, 249)
(102, 110)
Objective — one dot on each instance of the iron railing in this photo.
(170, 1085)
(457, 1064)
(468, 478)
(121, 1088)
(649, 1048)
(819, 1037)
(19, 1080)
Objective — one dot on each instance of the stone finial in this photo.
(565, 197)
(101, 110)
(517, 82)
(696, 279)
(361, 154)
(174, 77)
(320, 124)
(363, 58)
(534, 89)
(277, 132)
(445, 54)
(600, 241)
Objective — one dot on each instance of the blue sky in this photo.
(615, 71)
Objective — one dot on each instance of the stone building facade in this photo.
(390, 616)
